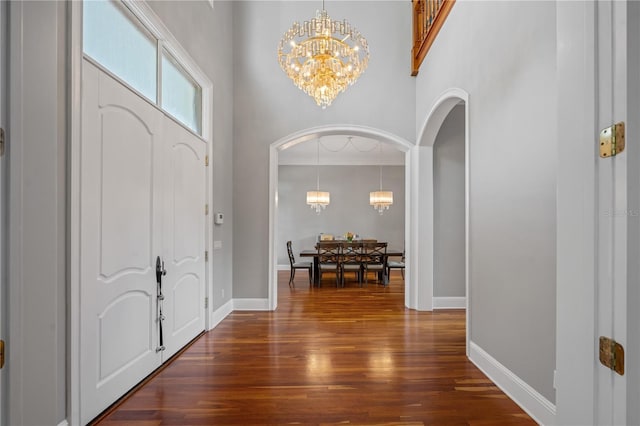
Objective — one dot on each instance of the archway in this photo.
(423, 249)
(314, 133)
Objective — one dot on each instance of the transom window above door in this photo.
(118, 41)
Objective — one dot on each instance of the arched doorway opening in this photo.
(426, 193)
(312, 134)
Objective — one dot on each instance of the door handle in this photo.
(160, 272)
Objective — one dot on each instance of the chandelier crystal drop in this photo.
(323, 57)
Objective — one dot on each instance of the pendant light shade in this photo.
(322, 198)
(382, 199)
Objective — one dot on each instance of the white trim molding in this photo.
(251, 305)
(449, 302)
(532, 402)
(284, 267)
(219, 314)
(63, 423)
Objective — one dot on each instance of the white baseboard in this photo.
(251, 304)
(284, 267)
(237, 305)
(63, 423)
(221, 313)
(449, 302)
(536, 405)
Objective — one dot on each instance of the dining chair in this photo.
(329, 259)
(351, 260)
(297, 265)
(394, 264)
(375, 258)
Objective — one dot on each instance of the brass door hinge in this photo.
(612, 355)
(206, 160)
(612, 140)
(206, 256)
(206, 209)
(206, 302)
(1, 145)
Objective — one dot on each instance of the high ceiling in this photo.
(339, 150)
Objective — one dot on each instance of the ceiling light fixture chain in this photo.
(353, 144)
(380, 162)
(318, 166)
(348, 142)
(336, 150)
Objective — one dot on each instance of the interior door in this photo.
(184, 237)
(121, 213)
(614, 212)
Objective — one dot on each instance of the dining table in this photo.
(314, 254)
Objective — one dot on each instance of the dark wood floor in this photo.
(326, 356)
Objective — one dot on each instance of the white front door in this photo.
(142, 198)
(614, 213)
(120, 239)
(184, 237)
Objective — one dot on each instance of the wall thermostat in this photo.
(218, 218)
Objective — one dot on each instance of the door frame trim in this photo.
(74, 259)
(576, 295)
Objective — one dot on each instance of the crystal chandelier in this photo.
(323, 56)
(318, 200)
(381, 200)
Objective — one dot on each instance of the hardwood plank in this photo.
(327, 356)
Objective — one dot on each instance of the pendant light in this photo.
(380, 200)
(318, 200)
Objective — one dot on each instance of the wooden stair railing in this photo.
(428, 18)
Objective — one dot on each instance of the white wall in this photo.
(349, 210)
(205, 34)
(448, 207)
(503, 54)
(268, 107)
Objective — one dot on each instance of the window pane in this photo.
(181, 96)
(115, 40)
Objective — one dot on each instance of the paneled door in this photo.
(121, 213)
(142, 199)
(184, 232)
